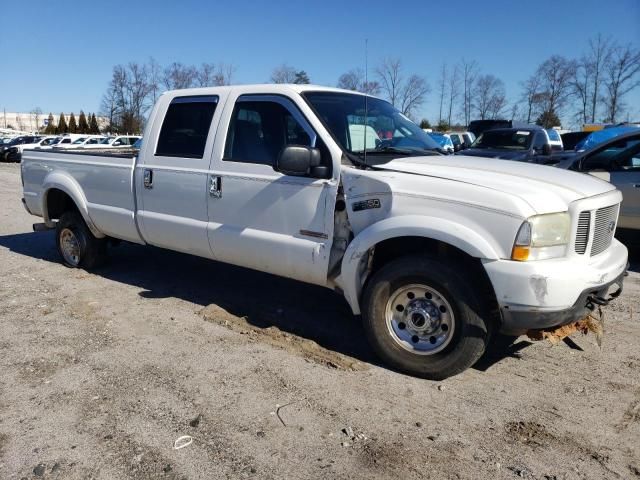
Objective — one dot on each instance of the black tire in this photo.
(92, 251)
(470, 335)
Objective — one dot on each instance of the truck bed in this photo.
(100, 181)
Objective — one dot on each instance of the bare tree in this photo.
(224, 74)
(283, 74)
(155, 78)
(581, 85)
(406, 95)
(531, 96)
(355, 80)
(621, 75)
(555, 82)
(442, 86)
(469, 71)
(35, 117)
(177, 76)
(454, 91)
(598, 56)
(515, 110)
(412, 94)
(390, 74)
(138, 90)
(489, 96)
(205, 75)
(109, 107)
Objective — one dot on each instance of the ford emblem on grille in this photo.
(612, 226)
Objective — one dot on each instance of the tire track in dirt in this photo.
(277, 338)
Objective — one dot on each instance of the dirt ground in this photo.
(101, 373)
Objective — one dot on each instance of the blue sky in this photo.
(59, 55)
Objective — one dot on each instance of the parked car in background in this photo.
(571, 139)
(461, 140)
(616, 161)
(122, 141)
(604, 135)
(522, 144)
(10, 151)
(67, 139)
(443, 140)
(479, 126)
(436, 253)
(78, 141)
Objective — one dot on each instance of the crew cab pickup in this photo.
(436, 253)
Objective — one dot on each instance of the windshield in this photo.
(381, 129)
(504, 140)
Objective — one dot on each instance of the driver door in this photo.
(258, 217)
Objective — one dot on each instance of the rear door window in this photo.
(186, 126)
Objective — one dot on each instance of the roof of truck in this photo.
(259, 88)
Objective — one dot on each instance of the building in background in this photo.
(37, 121)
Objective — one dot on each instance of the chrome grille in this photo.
(604, 228)
(582, 233)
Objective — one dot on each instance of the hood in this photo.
(546, 189)
(491, 153)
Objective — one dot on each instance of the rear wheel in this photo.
(77, 246)
(422, 316)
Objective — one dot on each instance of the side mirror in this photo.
(117, 143)
(546, 149)
(297, 160)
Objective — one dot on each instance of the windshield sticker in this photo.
(520, 132)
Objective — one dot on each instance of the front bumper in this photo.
(554, 292)
(520, 321)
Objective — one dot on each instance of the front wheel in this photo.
(77, 246)
(423, 317)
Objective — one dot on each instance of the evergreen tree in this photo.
(73, 126)
(548, 119)
(83, 125)
(301, 77)
(93, 125)
(424, 123)
(443, 126)
(62, 125)
(51, 128)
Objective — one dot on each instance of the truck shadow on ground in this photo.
(262, 300)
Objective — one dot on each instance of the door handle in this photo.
(148, 178)
(215, 186)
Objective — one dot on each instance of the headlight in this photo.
(542, 236)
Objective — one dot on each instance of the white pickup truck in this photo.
(436, 253)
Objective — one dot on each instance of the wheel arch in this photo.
(63, 193)
(390, 238)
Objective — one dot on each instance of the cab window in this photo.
(186, 126)
(259, 130)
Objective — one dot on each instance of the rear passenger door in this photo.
(171, 177)
(260, 218)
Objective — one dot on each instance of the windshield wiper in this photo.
(390, 149)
